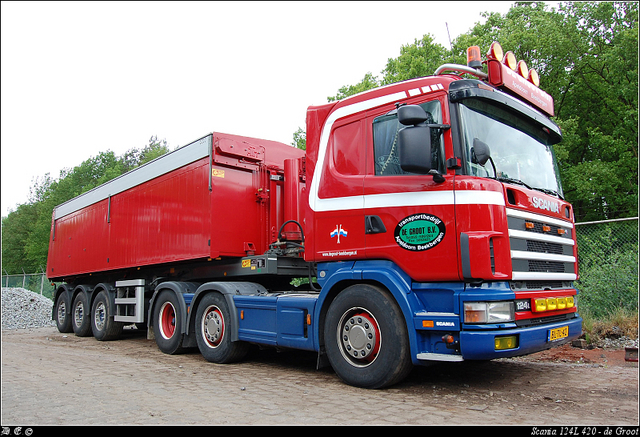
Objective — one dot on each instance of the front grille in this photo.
(544, 247)
(546, 266)
(539, 253)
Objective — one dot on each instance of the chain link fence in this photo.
(36, 282)
(608, 263)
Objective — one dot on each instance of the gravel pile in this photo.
(617, 343)
(25, 309)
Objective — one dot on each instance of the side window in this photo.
(385, 140)
(346, 149)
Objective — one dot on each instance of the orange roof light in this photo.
(495, 51)
(510, 60)
(474, 60)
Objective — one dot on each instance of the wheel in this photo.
(366, 339)
(212, 331)
(80, 316)
(103, 326)
(61, 313)
(167, 323)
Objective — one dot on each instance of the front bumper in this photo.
(480, 345)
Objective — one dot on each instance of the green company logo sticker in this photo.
(419, 232)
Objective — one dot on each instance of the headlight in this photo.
(489, 312)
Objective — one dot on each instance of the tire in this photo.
(103, 326)
(62, 313)
(213, 327)
(366, 338)
(167, 323)
(81, 316)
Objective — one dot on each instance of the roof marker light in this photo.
(510, 60)
(495, 51)
(534, 78)
(522, 69)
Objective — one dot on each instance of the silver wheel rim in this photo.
(100, 316)
(358, 336)
(62, 311)
(212, 326)
(78, 313)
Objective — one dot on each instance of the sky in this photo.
(83, 78)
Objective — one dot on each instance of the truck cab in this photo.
(445, 191)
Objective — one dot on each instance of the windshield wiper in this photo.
(548, 191)
(519, 182)
(513, 181)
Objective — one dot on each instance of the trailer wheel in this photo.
(167, 323)
(213, 321)
(366, 339)
(80, 316)
(62, 313)
(103, 326)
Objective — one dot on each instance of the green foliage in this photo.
(16, 228)
(419, 59)
(25, 231)
(300, 139)
(368, 82)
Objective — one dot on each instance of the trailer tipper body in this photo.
(427, 216)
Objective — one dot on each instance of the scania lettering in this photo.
(545, 204)
(425, 222)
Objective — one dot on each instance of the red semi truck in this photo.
(427, 214)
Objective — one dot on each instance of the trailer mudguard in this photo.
(180, 289)
(109, 288)
(228, 290)
(63, 289)
(86, 289)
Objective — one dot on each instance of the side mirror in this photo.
(480, 152)
(414, 141)
(410, 115)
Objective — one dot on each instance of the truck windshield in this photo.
(519, 147)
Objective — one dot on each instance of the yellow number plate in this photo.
(558, 333)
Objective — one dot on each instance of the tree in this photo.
(15, 231)
(136, 157)
(368, 82)
(599, 109)
(419, 59)
(300, 139)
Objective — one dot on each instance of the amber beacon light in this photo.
(474, 59)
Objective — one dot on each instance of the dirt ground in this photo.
(49, 378)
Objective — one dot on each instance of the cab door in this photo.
(410, 218)
(338, 229)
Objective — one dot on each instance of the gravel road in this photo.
(49, 378)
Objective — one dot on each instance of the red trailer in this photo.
(220, 196)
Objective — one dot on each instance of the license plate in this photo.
(558, 333)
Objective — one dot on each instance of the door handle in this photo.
(373, 225)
